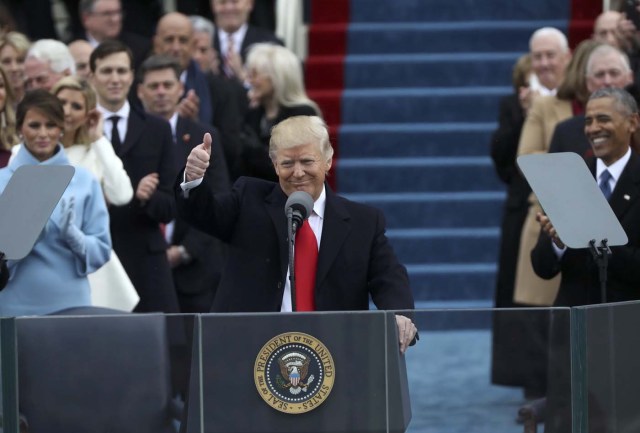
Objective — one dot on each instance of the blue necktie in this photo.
(604, 184)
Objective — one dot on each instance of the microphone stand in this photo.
(292, 243)
(4, 272)
(601, 256)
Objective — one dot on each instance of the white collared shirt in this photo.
(316, 221)
(123, 113)
(92, 41)
(237, 36)
(173, 122)
(614, 169)
(547, 92)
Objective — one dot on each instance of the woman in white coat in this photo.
(86, 146)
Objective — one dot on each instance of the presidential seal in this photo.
(294, 373)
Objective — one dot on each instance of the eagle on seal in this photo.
(294, 366)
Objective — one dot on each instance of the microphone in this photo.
(300, 205)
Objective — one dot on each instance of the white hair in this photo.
(201, 24)
(553, 32)
(55, 53)
(605, 50)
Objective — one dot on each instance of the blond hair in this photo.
(8, 135)
(74, 83)
(298, 131)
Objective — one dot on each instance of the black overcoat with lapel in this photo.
(355, 260)
(569, 136)
(196, 281)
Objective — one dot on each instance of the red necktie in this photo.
(306, 257)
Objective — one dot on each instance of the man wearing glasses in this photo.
(102, 20)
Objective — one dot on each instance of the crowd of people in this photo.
(582, 101)
(130, 113)
(132, 105)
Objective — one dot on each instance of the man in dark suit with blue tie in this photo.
(144, 144)
(196, 258)
(611, 118)
(353, 257)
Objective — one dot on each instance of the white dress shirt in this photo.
(237, 36)
(123, 113)
(614, 169)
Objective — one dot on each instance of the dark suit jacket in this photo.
(199, 278)
(355, 259)
(254, 35)
(504, 141)
(225, 98)
(580, 283)
(139, 45)
(135, 231)
(197, 81)
(569, 136)
(504, 147)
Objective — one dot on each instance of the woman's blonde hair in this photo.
(574, 84)
(285, 72)
(521, 71)
(74, 83)
(8, 135)
(18, 41)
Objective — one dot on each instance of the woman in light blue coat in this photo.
(75, 240)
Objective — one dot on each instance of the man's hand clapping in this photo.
(147, 186)
(189, 107)
(198, 159)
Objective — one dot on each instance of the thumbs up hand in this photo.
(198, 159)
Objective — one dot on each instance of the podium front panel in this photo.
(245, 389)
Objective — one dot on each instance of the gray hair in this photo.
(201, 24)
(553, 32)
(623, 101)
(55, 53)
(298, 130)
(605, 50)
(86, 6)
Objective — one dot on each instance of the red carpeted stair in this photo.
(324, 74)
(583, 13)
